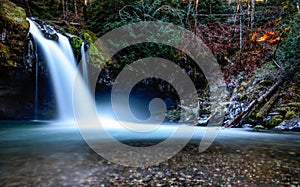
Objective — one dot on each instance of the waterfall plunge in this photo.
(62, 66)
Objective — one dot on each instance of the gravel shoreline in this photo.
(220, 165)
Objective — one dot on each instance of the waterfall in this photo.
(36, 97)
(66, 47)
(85, 74)
(62, 66)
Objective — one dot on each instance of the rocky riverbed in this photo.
(47, 156)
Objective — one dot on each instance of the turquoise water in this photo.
(55, 154)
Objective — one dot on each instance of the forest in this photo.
(256, 44)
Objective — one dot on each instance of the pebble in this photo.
(218, 166)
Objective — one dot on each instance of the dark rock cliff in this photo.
(16, 83)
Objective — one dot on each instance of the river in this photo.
(43, 153)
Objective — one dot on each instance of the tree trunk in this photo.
(241, 42)
(66, 9)
(265, 109)
(237, 10)
(187, 21)
(29, 10)
(252, 13)
(249, 12)
(63, 9)
(256, 102)
(196, 11)
(75, 8)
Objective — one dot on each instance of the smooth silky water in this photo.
(55, 154)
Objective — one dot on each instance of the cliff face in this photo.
(16, 83)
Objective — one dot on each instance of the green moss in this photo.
(4, 52)
(50, 23)
(15, 27)
(274, 121)
(283, 110)
(71, 30)
(252, 120)
(12, 15)
(258, 127)
(266, 82)
(10, 63)
(97, 59)
(76, 43)
(88, 36)
(290, 115)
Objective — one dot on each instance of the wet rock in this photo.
(258, 127)
(49, 32)
(233, 109)
(30, 53)
(268, 118)
(290, 125)
(13, 30)
(247, 126)
(290, 115)
(76, 43)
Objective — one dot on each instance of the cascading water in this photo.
(66, 47)
(84, 64)
(62, 65)
(36, 100)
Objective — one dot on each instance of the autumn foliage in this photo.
(224, 41)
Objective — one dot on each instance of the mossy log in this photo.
(64, 22)
(266, 108)
(294, 104)
(257, 102)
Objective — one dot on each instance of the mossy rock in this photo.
(275, 120)
(76, 43)
(13, 31)
(13, 16)
(70, 29)
(97, 59)
(4, 51)
(88, 36)
(290, 115)
(258, 128)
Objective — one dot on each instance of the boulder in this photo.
(289, 125)
(13, 30)
(16, 83)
